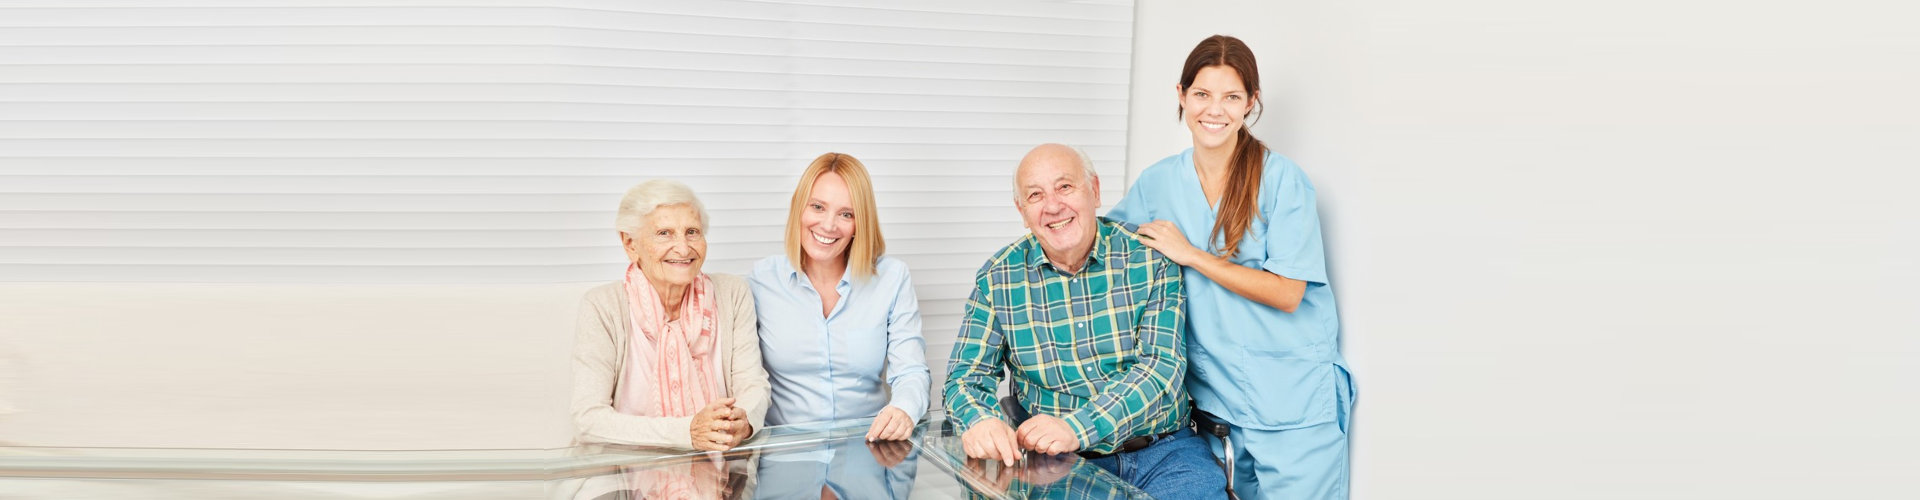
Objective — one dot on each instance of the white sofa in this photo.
(286, 366)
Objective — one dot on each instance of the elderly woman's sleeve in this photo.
(594, 377)
(751, 390)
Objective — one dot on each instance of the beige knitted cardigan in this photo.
(600, 354)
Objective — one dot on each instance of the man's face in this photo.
(1057, 201)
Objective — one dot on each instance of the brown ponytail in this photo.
(1240, 202)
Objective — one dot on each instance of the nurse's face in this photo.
(1215, 107)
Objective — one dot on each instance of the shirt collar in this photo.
(797, 278)
(1096, 258)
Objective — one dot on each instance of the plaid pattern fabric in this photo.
(1103, 349)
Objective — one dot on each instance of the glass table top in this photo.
(798, 461)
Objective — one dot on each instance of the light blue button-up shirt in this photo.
(1251, 364)
(832, 368)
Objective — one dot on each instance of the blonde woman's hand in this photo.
(892, 424)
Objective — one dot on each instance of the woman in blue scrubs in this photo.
(1263, 348)
(839, 322)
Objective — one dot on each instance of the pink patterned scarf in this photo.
(671, 367)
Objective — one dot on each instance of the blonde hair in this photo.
(863, 253)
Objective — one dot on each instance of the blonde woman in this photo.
(838, 319)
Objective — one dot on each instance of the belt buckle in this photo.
(1131, 445)
(1136, 443)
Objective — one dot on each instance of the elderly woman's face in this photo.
(670, 246)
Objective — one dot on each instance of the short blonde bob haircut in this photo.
(867, 246)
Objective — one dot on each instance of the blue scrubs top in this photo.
(1251, 364)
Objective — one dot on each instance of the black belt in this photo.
(1134, 444)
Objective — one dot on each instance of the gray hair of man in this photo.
(644, 197)
(1086, 169)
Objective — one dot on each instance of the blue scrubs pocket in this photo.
(1283, 391)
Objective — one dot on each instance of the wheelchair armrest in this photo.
(1206, 423)
(1010, 407)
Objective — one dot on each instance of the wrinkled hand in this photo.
(991, 439)
(889, 453)
(709, 479)
(742, 428)
(1165, 237)
(892, 424)
(1048, 435)
(713, 427)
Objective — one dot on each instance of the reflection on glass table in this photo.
(783, 462)
(1064, 476)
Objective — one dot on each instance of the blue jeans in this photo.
(1180, 466)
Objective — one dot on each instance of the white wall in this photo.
(1601, 250)
(345, 165)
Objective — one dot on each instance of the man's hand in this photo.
(1048, 435)
(892, 424)
(991, 439)
(711, 429)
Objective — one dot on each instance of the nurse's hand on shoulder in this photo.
(1166, 238)
(991, 439)
(892, 424)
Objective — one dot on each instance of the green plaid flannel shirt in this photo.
(1103, 349)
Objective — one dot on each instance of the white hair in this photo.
(1086, 169)
(646, 196)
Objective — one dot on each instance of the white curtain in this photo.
(453, 142)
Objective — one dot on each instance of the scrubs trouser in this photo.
(1294, 464)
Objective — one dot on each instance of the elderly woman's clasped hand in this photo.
(720, 426)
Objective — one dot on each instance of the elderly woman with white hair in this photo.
(668, 356)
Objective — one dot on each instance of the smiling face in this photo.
(670, 246)
(827, 220)
(1057, 200)
(1215, 107)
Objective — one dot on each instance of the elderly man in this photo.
(1089, 323)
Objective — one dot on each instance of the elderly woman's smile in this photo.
(670, 247)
